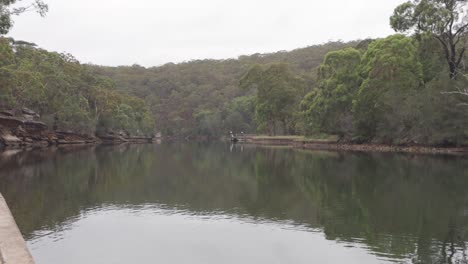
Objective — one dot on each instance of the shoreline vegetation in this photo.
(332, 143)
(407, 91)
(22, 129)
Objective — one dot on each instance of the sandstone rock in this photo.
(7, 113)
(29, 114)
(27, 111)
(20, 132)
(28, 117)
(9, 140)
(109, 139)
(34, 126)
(40, 144)
(71, 142)
(10, 122)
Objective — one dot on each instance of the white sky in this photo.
(153, 32)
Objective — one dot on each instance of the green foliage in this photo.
(7, 58)
(400, 92)
(239, 114)
(176, 93)
(392, 72)
(328, 108)
(430, 56)
(208, 123)
(75, 115)
(440, 118)
(278, 94)
(66, 93)
(6, 12)
(446, 20)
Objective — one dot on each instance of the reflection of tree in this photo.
(399, 204)
(396, 205)
(451, 250)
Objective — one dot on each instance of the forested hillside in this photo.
(203, 97)
(65, 93)
(407, 88)
(402, 89)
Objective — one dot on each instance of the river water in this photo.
(216, 203)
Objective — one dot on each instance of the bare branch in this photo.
(461, 30)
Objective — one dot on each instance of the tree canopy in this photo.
(328, 108)
(446, 20)
(7, 11)
(183, 96)
(398, 90)
(65, 93)
(278, 93)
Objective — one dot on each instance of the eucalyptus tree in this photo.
(392, 73)
(9, 8)
(328, 108)
(278, 94)
(446, 20)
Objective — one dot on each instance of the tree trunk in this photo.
(453, 70)
(453, 61)
(450, 50)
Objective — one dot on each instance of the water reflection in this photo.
(407, 208)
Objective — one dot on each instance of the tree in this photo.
(328, 108)
(177, 92)
(7, 59)
(6, 11)
(278, 94)
(239, 115)
(391, 72)
(66, 94)
(446, 20)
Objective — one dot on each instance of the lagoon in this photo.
(222, 203)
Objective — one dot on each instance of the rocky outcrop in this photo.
(71, 138)
(7, 113)
(21, 128)
(10, 122)
(8, 139)
(29, 114)
(122, 137)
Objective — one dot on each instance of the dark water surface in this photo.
(210, 203)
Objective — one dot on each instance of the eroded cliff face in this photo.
(22, 128)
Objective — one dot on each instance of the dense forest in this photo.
(408, 88)
(65, 93)
(403, 89)
(203, 98)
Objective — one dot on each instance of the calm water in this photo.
(213, 203)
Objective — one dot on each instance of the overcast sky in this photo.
(154, 32)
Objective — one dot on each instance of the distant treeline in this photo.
(66, 94)
(394, 90)
(203, 98)
(403, 89)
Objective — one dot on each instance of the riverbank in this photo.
(13, 248)
(333, 143)
(25, 130)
